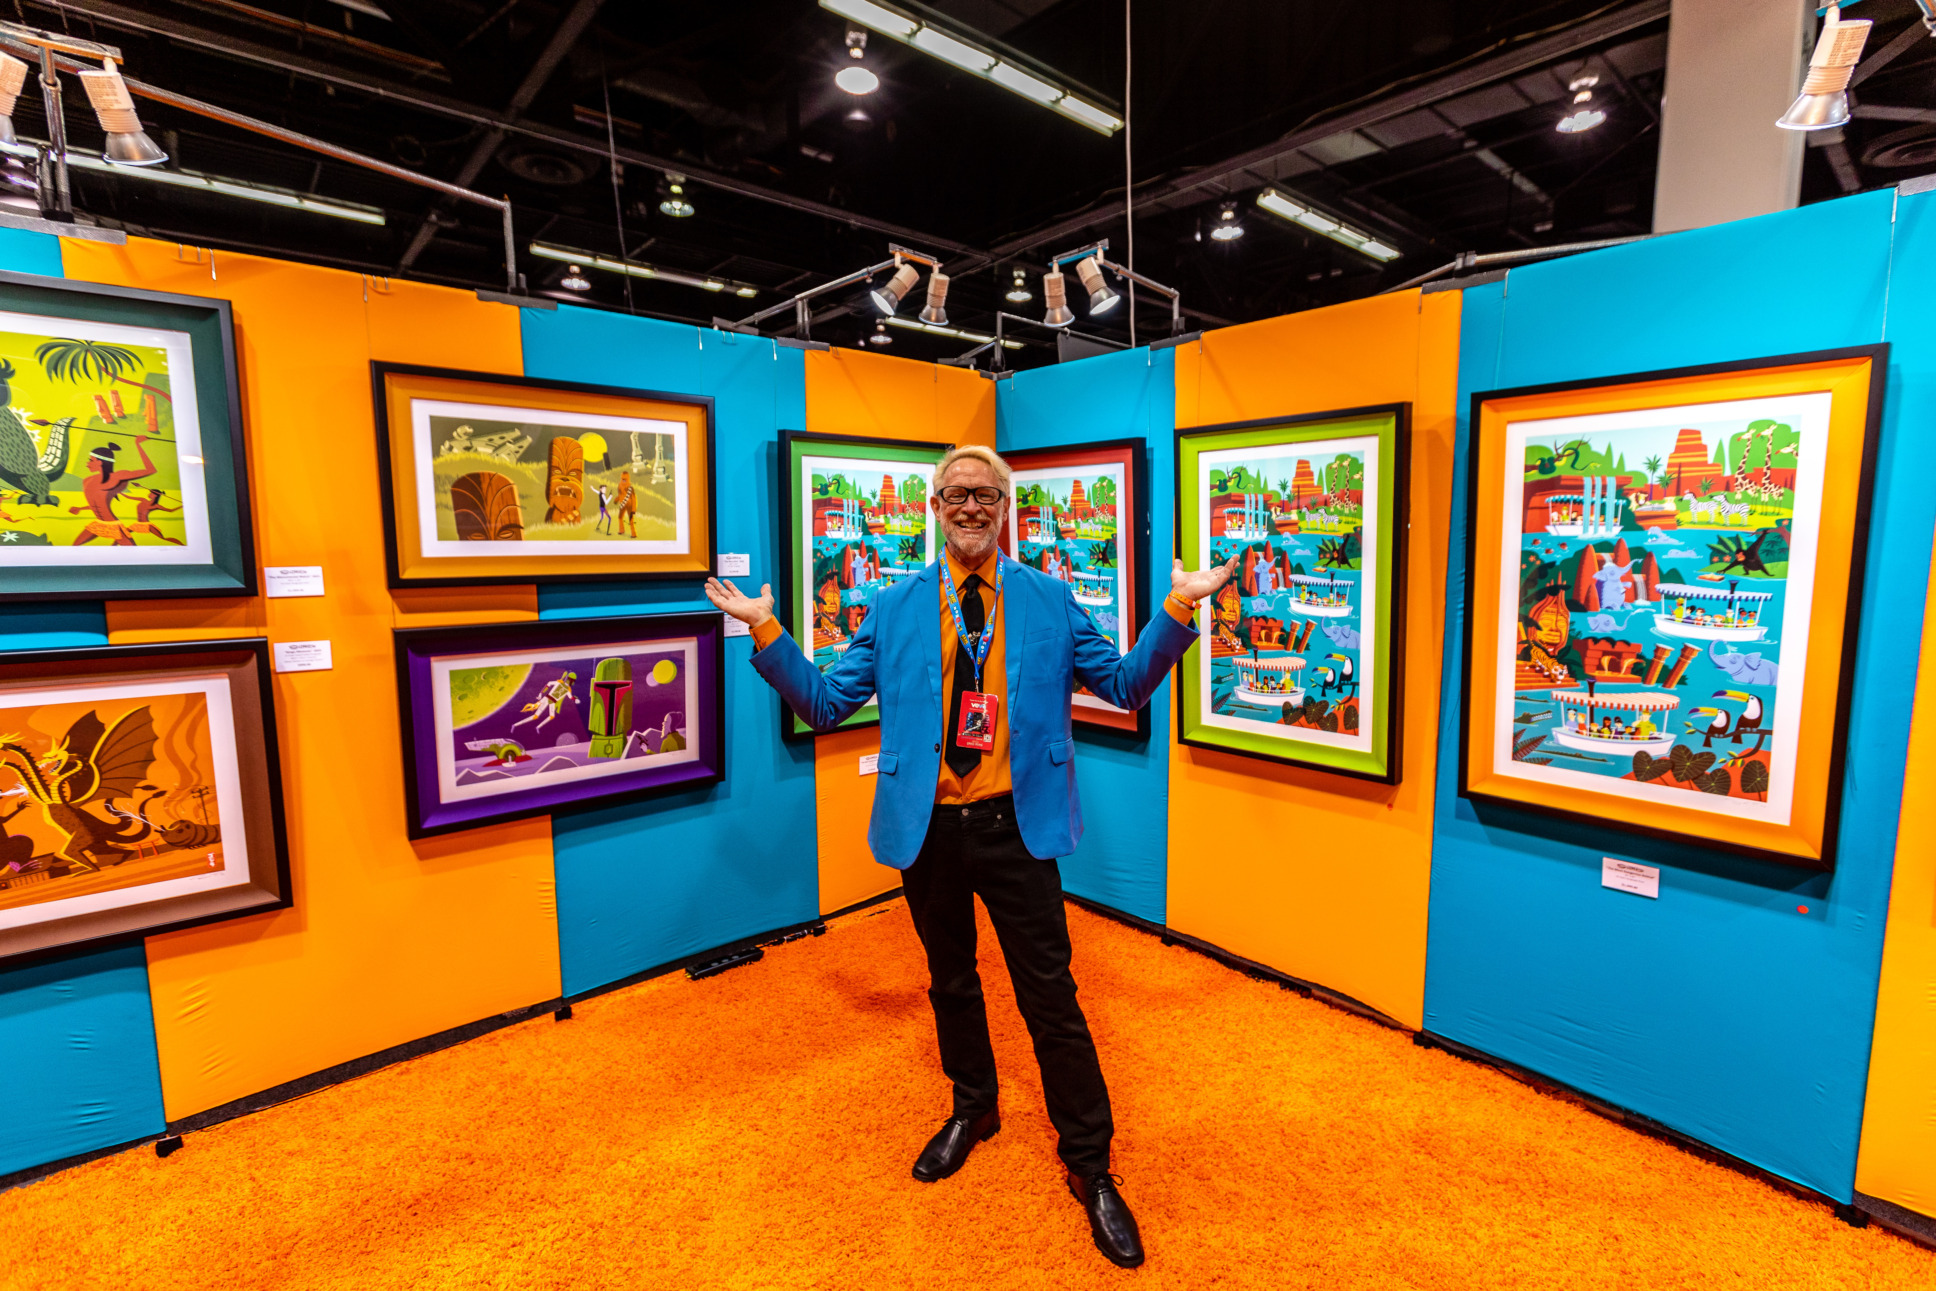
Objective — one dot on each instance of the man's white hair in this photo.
(987, 456)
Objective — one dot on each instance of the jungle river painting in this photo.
(1656, 570)
(868, 525)
(100, 453)
(511, 722)
(1065, 523)
(495, 480)
(110, 788)
(1287, 635)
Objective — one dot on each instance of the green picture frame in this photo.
(1300, 660)
(839, 550)
(128, 478)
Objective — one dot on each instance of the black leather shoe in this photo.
(1110, 1222)
(948, 1151)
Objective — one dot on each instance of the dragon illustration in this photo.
(91, 763)
(23, 464)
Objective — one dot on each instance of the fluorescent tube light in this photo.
(635, 269)
(949, 50)
(979, 338)
(1011, 78)
(283, 197)
(1094, 117)
(1297, 213)
(885, 21)
(959, 50)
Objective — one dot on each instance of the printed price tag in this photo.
(301, 656)
(870, 763)
(292, 580)
(734, 628)
(735, 564)
(1625, 876)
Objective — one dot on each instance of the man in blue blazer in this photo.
(974, 660)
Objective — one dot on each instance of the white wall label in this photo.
(735, 564)
(870, 763)
(292, 580)
(1625, 876)
(735, 628)
(301, 656)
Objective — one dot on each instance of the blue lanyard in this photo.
(977, 648)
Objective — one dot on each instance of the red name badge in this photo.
(978, 715)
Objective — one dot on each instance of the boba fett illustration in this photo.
(611, 715)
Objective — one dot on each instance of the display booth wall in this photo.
(1311, 873)
(1736, 1007)
(1123, 780)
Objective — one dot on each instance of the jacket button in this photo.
(937, 748)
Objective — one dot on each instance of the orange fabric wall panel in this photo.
(388, 941)
(1342, 901)
(853, 392)
(1898, 1158)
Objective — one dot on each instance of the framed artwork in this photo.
(507, 720)
(496, 479)
(1299, 660)
(122, 466)
(1080, 514)
(854, 521)
(139, 791)
(1665, 573)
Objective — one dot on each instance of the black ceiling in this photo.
(1451, 105)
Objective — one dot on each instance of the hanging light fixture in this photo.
(854, 78)
(1102, 297)
(880, 336)
(575, 280)
(1583, 115)
(127, 144)
(1018, 292)
(1228, 228)
(887, 297)
(1824, 100)
(1056, 296)
(674, 202)
(937, 308)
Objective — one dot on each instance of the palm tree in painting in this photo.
(71, 360)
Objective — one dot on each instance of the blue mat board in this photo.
(1123, 859)
(77, 1033)
(1719, 1009)
(649, 882)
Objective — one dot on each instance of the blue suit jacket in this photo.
(1049, 644)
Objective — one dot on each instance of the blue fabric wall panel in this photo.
(77, 1033)
(1720, 1009)
(645, 883)
(79, 1043)
(1125, 784)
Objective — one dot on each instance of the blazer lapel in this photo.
(929, 616)
(1014, 623)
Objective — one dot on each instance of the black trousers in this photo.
(977, 850)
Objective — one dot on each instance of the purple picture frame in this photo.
(459, 774)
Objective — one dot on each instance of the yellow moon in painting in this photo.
(594, 446)
(664, 671)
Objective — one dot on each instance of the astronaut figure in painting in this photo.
(550, 702)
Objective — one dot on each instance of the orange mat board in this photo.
(1897, 1161)
(387, 941)
(853, 392)
(756, 1129)
(1346, 905)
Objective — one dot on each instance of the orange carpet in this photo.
(756, 1129)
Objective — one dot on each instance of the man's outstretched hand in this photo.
(749, 610)
(1193, 586)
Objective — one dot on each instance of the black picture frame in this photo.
(1878, 356)
(208, 323)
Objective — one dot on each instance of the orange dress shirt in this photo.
(989, 779)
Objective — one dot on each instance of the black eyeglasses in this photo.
(955, 494)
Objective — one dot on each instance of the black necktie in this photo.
(961, 761)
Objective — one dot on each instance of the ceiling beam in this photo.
(123, 18)
(1256, 167)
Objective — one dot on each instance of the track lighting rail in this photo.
(1473, 260)
(1094, 250)
(803, 315)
